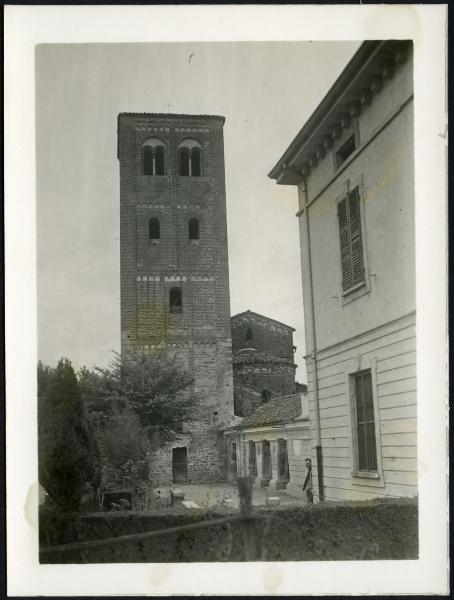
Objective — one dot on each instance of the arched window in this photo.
(175, 300)
(190, 158)
(266, 396)
(154, 228)
(153, 153)
(194, 229)
(249, 335)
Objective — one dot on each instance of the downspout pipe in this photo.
(304, 207)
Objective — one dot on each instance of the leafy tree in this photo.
(68, 454)
(153, 387)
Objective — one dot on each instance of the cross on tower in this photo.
(168, 106)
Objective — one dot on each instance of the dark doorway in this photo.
(180, 465)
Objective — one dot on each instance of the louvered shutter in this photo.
(351, 251)
(344, 237)
(355, 238)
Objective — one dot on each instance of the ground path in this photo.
(210, 495)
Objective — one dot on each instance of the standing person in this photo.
(307, 486)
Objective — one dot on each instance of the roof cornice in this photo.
(364, 75)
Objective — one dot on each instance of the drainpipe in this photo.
(313, 339)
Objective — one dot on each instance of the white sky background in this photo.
(266, 91)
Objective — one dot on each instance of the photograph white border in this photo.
(26, 26)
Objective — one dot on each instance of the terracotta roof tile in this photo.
(280, 410)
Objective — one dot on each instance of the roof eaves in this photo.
(329, 101)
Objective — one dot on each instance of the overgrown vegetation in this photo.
(96, 429)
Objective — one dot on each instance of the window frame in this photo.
(363, 287)
(154, 240)
(190, 144)
(354, 368)
(173, 308)
(158, 143)
(194, 241)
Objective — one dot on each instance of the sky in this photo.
(265, 90)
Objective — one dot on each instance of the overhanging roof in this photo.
(366, 64)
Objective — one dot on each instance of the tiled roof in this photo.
(253, 356)
(280, 410)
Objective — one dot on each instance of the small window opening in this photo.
(194, 230)
(249, 334)
(175, 300)
(154, 229)
(347, 148)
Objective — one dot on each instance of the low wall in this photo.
(382, 529)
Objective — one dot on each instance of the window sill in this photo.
(355, 292)
(155, 242)
(366, 474)
(194, 242)
(372, 479)
(153, 176)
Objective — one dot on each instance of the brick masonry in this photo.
(199, 336)
(267, 367)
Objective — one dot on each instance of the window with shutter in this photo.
(351, 249)
(365, 422)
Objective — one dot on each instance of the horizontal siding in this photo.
(332, 401)
(331, 380)
(398, 439)
(398, 412)
(401, 477)
(342, 421)
(335, 432)
(400, 399)
(334, 443)
(402, 358)
(333, 392)
(394, 351)
(398, 373)
(342, 462)
(392, 491)
(334, 411)
(387, 337)
(397, 387)
(400, 426)
(399, 451)
(400, 464)
(336, 452)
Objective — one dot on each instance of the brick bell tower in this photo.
(174, 273)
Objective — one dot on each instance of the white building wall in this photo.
(390, 351)
(375, 328)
